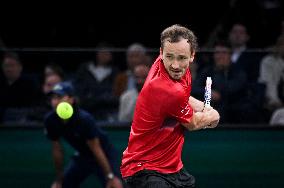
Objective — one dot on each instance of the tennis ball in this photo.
(64, 110)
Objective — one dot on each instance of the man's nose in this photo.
(175, 64)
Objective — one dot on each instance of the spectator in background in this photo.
(228, 87)
(53, 68)
(53, 74)
(94, 84)
(272, 75)
(238, 38)
(194, 70)
(128, 98)
(18, 90)
(135, 55)
(248, 61)
(50, 81)
(277, 118)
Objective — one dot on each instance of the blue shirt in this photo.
(76, 131)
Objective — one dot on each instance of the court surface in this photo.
(217, 158)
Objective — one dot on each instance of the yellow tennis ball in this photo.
(64, 110)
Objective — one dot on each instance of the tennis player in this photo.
(163, 112)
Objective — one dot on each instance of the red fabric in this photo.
(156, 138)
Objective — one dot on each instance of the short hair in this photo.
(136, 47)
(12, 55)
(175, 32)
(56, 68)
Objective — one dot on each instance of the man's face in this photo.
(222, 56)
(103, 57)
(140, 73)
(177, 57)
(11, 69)
(56, 99)
(135, 58)
(50, 82)
(238, 36)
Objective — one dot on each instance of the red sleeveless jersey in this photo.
(156, 138)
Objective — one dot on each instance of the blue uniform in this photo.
(76, 131)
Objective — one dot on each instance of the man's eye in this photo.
(182, 58)
(170, 57)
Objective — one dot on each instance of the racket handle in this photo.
(207, 95)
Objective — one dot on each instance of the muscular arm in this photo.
(58, 157)
(196, 104)
(208, 118)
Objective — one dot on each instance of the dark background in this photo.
(138, 21)
(79, 25)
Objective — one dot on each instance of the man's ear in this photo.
(161, 53)
(192, 57)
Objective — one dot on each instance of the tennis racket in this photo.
(207, 95)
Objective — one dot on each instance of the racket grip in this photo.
(207, 95)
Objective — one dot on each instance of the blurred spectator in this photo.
(94, 84)
(135, 55)
(272, 75)
(50, 81)
(228, 84)
(193, 70)
(128, 97)
(53, 74)
(244, 59)
(53, 68)
(277, 118)
(18, 91)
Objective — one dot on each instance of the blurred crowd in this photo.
(248, 85)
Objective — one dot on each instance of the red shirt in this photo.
(156, 138)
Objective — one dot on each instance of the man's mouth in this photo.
(175, 71)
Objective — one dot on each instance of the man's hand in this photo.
(215, 116)
(213, 124)
(114, 183)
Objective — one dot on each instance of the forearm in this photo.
(197, 122)
(103, 162)
(58, 158)
(204, 119)
(100, 156)
(196, 104)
